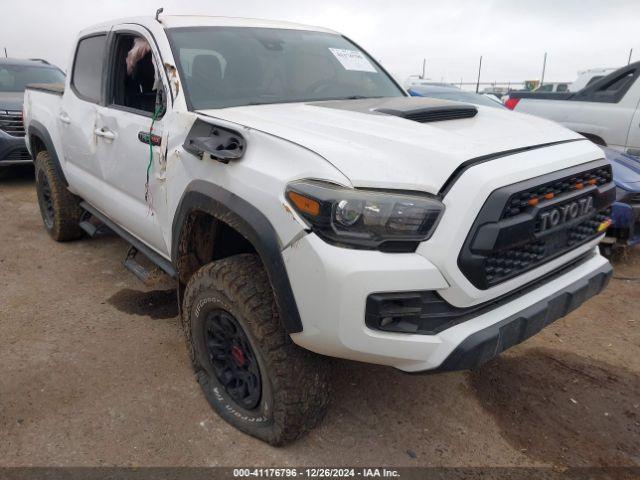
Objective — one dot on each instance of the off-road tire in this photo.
(60, 209)
(295, 389)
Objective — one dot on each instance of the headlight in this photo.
(368, 219)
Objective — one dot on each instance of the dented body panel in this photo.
(383, 151)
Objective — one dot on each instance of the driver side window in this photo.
(135, 80)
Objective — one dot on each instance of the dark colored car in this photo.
(14, 75)
(625, 213)
(453, 94)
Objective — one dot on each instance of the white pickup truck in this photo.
(607, 111)
(307, 206)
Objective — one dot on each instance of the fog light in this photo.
(386, 321)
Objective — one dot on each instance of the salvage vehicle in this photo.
(587, 77)
(607, 111)
(14, 75)
(558, 87)
(307, 207)
(625, 212)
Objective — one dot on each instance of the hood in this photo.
(626, 169)
(11, 100)
(385, 150)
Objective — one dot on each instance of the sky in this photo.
(511, 35)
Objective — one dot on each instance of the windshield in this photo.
(13, 78)
(457, 96)
(232, 66)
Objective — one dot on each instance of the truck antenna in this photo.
(158, 12)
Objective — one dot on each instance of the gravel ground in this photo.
(94, 371)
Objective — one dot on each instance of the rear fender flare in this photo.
(37, 130)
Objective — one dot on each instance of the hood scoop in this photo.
(432, 113)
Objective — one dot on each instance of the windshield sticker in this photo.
(353, 60)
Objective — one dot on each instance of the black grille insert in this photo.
(18, 154)
(572, 207)
(11, 122)
(524, 200)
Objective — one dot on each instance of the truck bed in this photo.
(543, 95)
(56, 88)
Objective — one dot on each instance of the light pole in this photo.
(544, 67)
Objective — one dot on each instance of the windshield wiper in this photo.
(357, 97)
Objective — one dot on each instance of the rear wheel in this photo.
(250, 371)
(60, 209)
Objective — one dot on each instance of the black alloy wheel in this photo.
(232, 359)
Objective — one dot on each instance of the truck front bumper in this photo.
(485, 344)
(331, 286)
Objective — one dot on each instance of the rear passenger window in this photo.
(87, 68)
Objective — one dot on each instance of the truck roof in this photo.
(177, 21)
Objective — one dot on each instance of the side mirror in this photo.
(221, 143)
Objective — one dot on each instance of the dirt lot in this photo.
(94, 371)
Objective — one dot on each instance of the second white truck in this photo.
(307, 207)
(607, 111)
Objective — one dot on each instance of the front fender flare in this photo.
(201, 196)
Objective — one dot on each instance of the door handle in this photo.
(105, 133)
(64, 118)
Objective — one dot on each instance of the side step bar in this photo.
(92, 229)
(137, 246)
(131, 264)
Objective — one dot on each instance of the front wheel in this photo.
(251, 372)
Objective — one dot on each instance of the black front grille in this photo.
(521, 201)
(571, 208)
(18, 154)
(510, 262)
(11, 122)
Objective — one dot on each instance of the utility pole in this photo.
(424, 68)
(544, 67)
(479, 70)
(630, 53)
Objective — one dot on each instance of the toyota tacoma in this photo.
(307, 207)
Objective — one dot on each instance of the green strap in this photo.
(153, 121)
